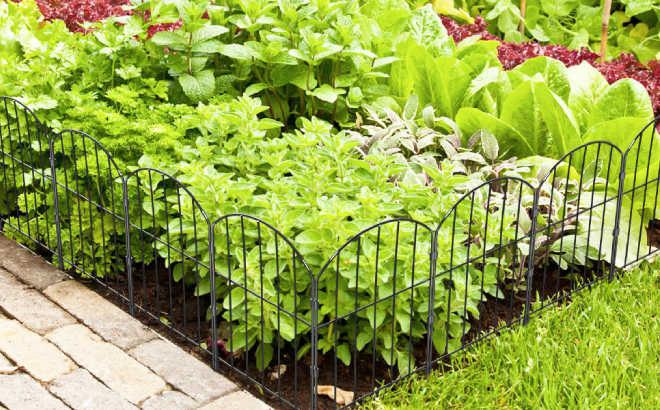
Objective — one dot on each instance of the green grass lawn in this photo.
(600, 352)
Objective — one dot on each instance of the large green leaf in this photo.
(587, 85)
(199, 86)
(559, 8)
(207, 32)
(424, 26)
(376, 8)
(522, 112)
(554, 73)
(635, 7)
(238, 51)
(559, 119)
(625, 98)
(430, 85)
(621, 132)
(401, 80)
(167, 38)
(471, 120)
(265, 350)
(479, 84)
(600, 224)
(441, 82)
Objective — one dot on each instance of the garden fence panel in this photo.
(577, 227)
(168, 254)
(27, 207)
(483, 240)
(415, 295)
(386, 269)
(89, 189)
(639, 198)
(264, 291)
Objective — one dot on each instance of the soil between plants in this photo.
(294, 385)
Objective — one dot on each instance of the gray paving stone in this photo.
(9, 283)
(176, 367)
(28, 267)
(101, 315)
(40, 359)
(80, 391)
(29, 307)
(21, 392)
(108, 363)
(170, 400)
(239, 400)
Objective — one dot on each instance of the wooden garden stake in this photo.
(603, 34)
(523, 11)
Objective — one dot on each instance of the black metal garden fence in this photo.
(396, 299)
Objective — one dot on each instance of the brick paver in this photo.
(30, 268)
(76, 350)
(175, 366)
(103, 317)
(170, 400)
(41, 359)
(80, 391)
(108, 363)
(237, 401)
(29, 307)
(21, 392)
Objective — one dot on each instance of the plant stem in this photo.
(114, 58)
(279, 101)
(309, 73)
(523, 11)
(274, 91)
(190, 55)
(334, 83)
(603, 35)
(270, 105)
(302, 101)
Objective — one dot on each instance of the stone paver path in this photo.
(64, 347)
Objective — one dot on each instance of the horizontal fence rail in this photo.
(397, 298)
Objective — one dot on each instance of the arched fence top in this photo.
(176, 181)
(97, 144)
(569, 154)
(640, 135)
(471, 192)
(273, 229)
(27, 110)
(359, 235)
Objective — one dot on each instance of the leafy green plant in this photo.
(193, 47)
(548, 108)
(633, 24)
(321, 119)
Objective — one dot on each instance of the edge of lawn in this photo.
(600, 351)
